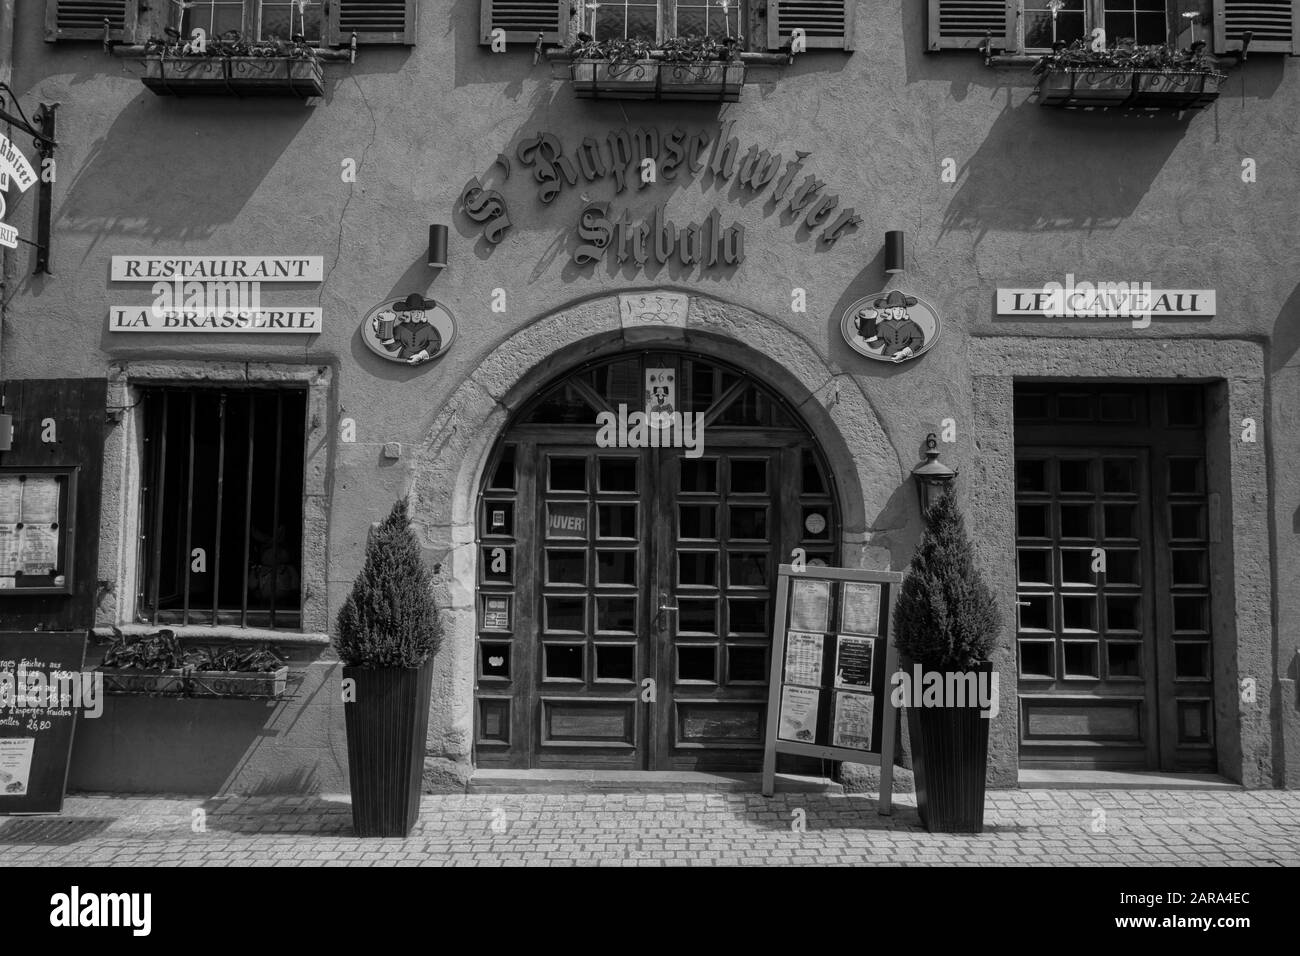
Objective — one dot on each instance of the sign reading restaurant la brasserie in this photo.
(214, 294)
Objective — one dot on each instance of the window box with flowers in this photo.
(232, 66)
(156, 665)
(681, 68)
(1128, 76)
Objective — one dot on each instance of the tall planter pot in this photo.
(386, 726)
(950, 749)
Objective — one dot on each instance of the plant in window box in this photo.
(1128, 74)
(620, 68)
(152, 664)
(231, 64)
(706, 68)
(387, 634)
(946, 622)
(237, 672)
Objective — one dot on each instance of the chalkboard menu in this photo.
(41, 691)
(831, 660)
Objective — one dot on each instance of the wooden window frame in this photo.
(1094, 15)
(666, 19)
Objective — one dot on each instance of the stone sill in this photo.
(199, 633)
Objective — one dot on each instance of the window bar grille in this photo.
(189, 518)
(161, 475)
(248, 510)
(275, 502)
(221, 489)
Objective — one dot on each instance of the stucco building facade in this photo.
(574, 272)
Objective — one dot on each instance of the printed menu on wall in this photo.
(33, 542)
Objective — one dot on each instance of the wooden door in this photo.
(1114, 655)
(625, 595)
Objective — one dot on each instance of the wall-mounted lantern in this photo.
(437, 247)
(894, 252)
(933, 478)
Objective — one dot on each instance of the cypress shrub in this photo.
(946, 618)
(390, 619)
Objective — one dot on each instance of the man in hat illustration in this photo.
(886, 327)
(404, 328)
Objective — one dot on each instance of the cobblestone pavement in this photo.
(1138, 828)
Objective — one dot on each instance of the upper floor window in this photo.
(654, 21)
(1139, 21)
(259, 19)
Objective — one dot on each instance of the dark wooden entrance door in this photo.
(628, 625)
(1113, 565)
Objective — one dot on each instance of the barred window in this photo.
(221, 506)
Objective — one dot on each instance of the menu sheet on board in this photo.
(860, 608)
(11, 500)
(799, 714)
(852, 725)
(40, 500)
(854, 657)
(16, 765)
(803, 659)
(810, 603)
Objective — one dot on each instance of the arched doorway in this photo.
(625, 594)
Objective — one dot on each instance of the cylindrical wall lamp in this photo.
(894, 256)
(438, 247)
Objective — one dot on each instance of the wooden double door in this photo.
(638, 589)
(1114, 561)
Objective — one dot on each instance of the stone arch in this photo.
(448, 467)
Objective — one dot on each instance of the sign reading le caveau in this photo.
(642, 157)
(214, 294)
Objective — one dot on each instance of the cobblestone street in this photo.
(1052, 827)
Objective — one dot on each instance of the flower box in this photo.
(127, 680)
(1176, 90)
(1102, 88)
(263, 684)
(657, 80)
(234, 76)
(609, 79)
(701, 81)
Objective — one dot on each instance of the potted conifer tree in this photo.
(947, 622)
(386, 637)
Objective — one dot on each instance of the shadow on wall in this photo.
(1041, 169)
(177, 169)
(195, 746)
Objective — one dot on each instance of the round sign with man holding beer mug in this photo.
(412, 331)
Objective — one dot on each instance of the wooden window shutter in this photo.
(827, 24)
(84, 19)
(373, 21)
(964, 24)
(1274, 24)
(522, 20)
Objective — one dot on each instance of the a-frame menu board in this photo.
(832, 655)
